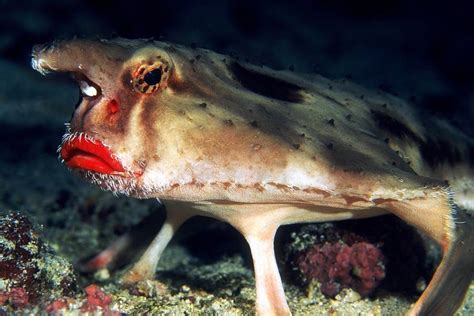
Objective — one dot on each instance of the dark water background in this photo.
(422, 51)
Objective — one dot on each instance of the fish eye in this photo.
(153, 77)
(149, 77)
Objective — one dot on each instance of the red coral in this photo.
(337, 265)
(96, 298)
(56, 306)
(16, 297)
(97, 301)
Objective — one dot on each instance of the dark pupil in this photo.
(153, 77)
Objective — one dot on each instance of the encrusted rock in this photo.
(29, 269)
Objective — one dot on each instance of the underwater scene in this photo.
(236, 157)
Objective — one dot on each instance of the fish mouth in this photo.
(92, 155)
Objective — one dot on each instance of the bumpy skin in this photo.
(260, 148)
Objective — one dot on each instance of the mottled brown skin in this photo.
(259, 148)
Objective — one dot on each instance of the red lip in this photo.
(90, 155)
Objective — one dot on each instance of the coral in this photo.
(16, 297)
(338, 265)
(404, 249)
(359, 254)
(29, 270)
(56, 306)
(96, 302)
(97, 299)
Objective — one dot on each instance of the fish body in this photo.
(257, 148)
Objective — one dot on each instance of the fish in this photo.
(210, 135)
